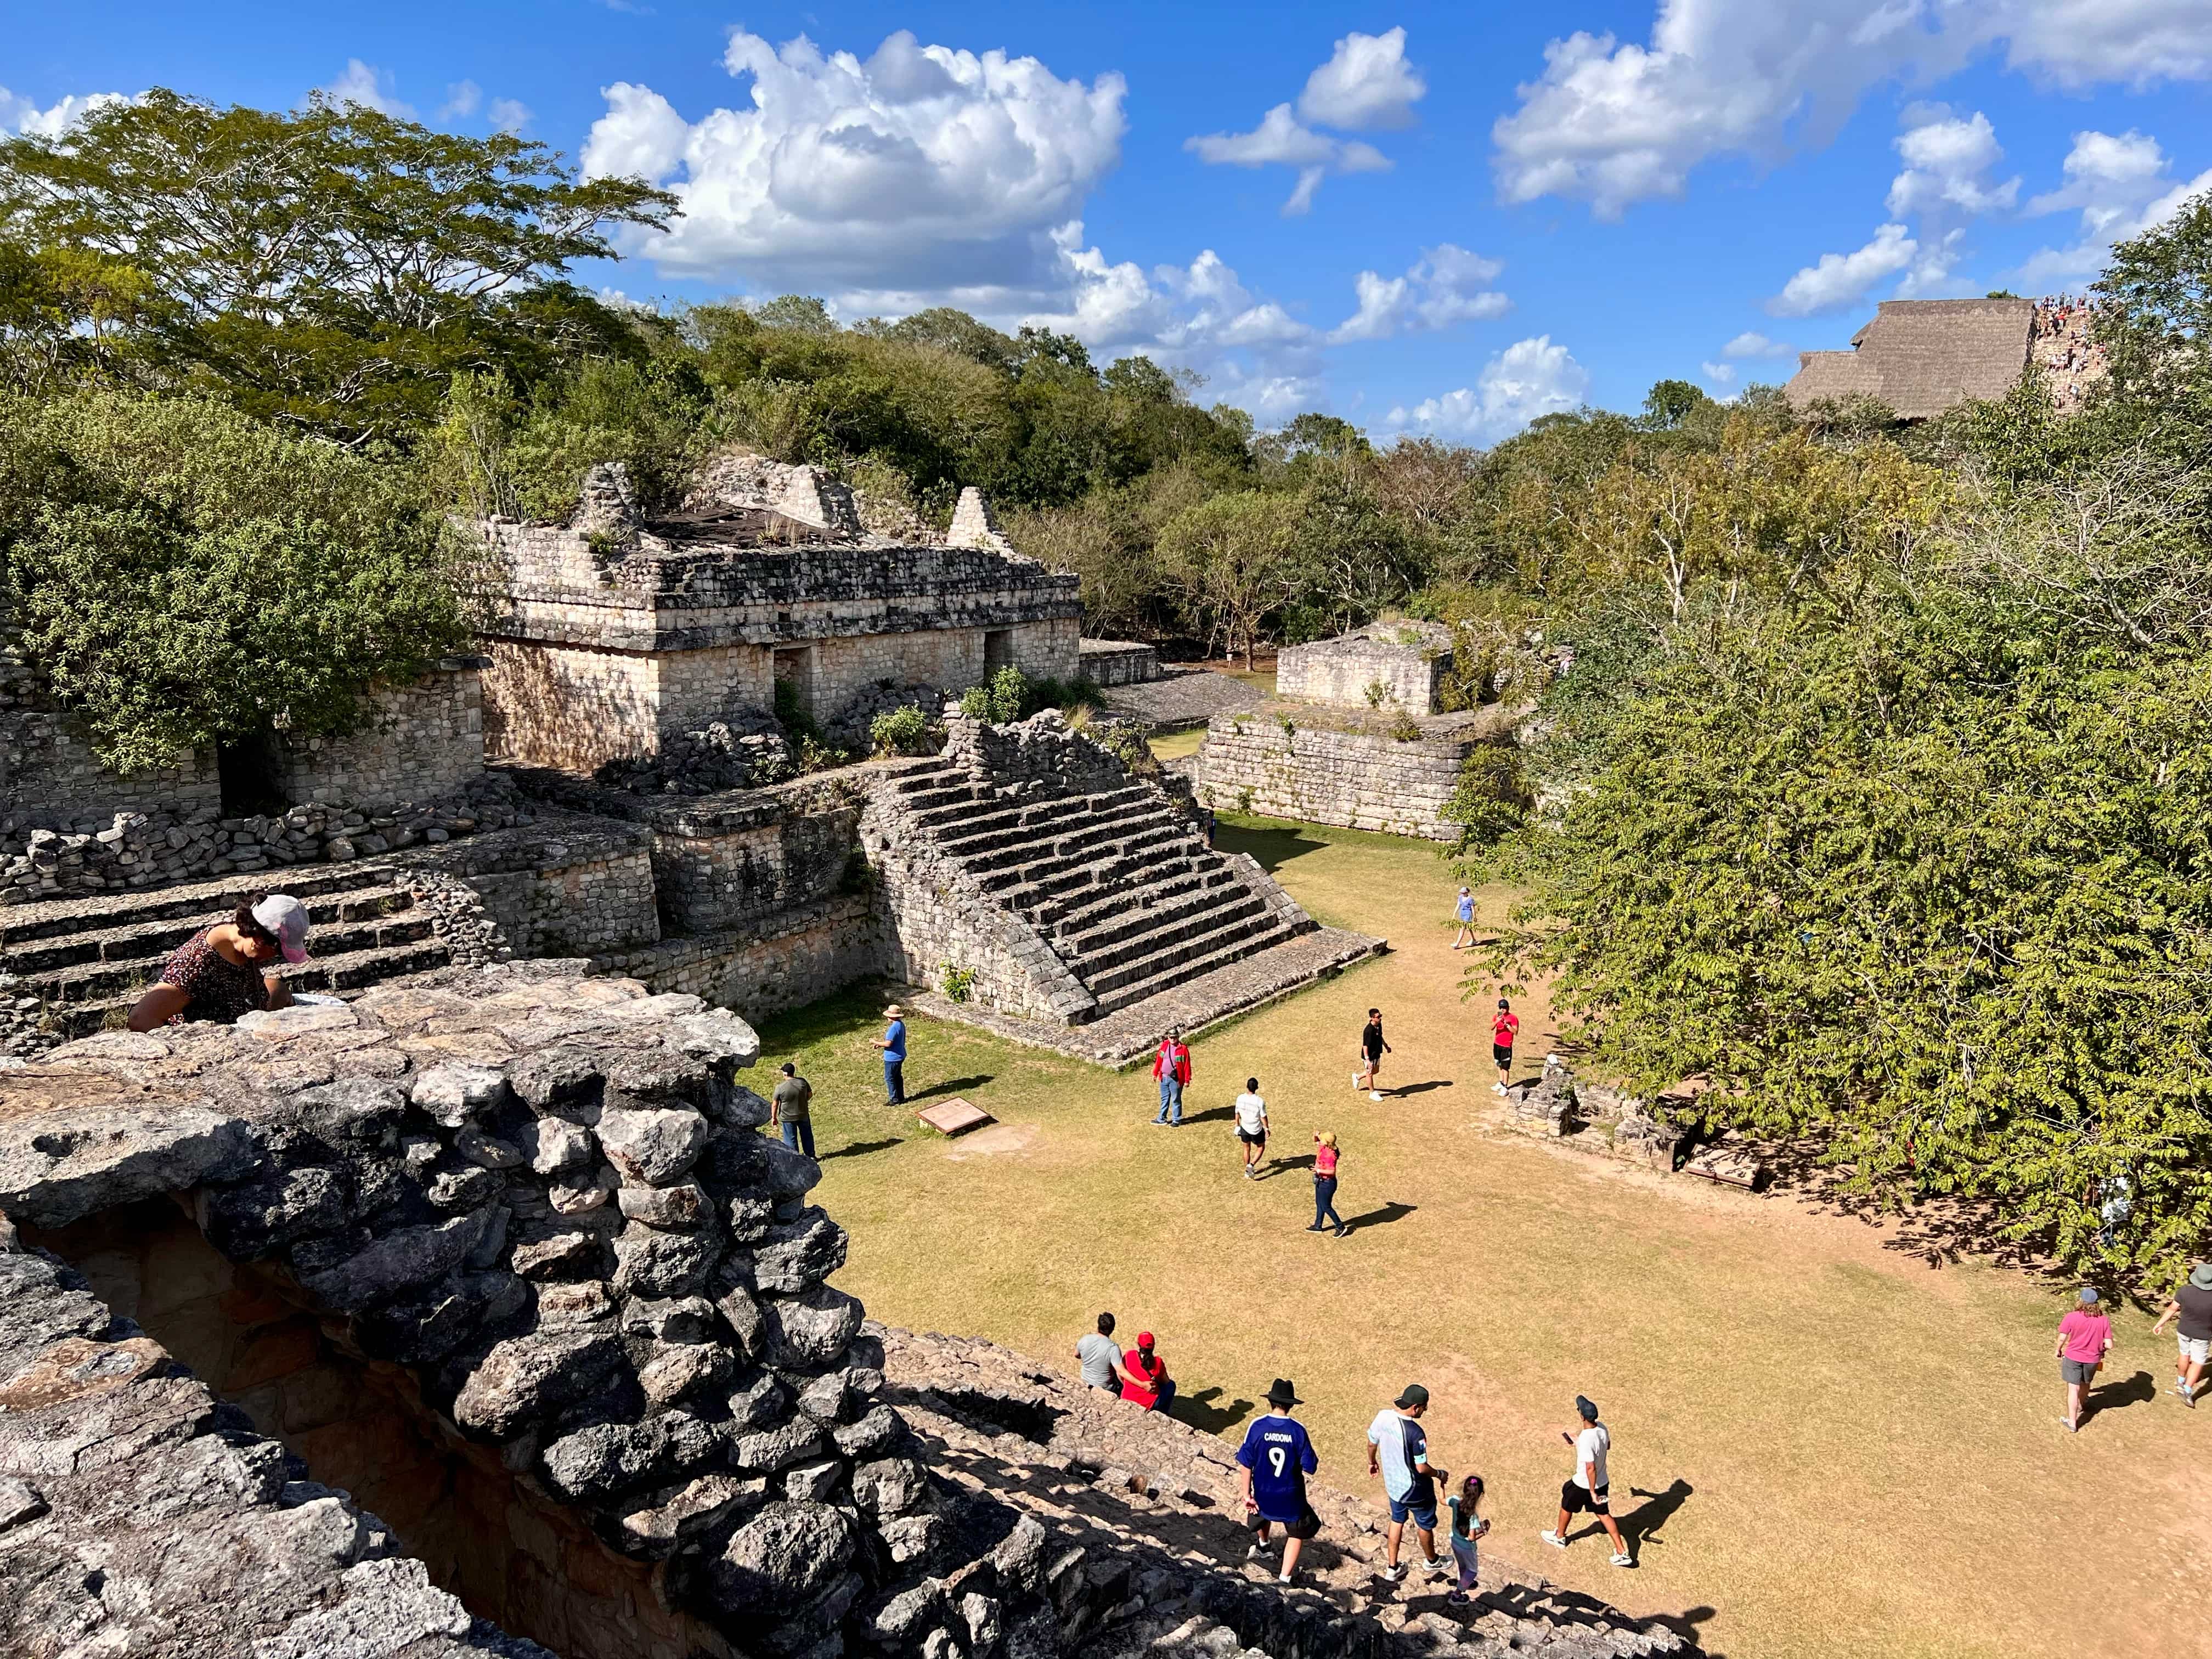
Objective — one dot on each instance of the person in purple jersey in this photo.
(1272, 1465)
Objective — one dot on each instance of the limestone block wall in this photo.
(1119, 662)
(1409, 661)
(50, 780)
(775, 964)
(573, 707)
(1362, 781)
(419, 741)
(572, 887)
(722, 861)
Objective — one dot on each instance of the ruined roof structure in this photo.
(1922, 356)
(477, 1318)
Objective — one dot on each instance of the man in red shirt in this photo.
(1147, 1384)
(1171, 1070)
(1505, 1026)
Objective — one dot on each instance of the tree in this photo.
(2154, 312)
(1231, 560)
(801, 313)
(184, 574)
(333, 267)
(1670, 402)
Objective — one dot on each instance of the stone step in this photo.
(357, 971)
(971, 815)
(988, 831)
(1102, 946)
(1207, 938)
(139, 940)
(92, 982)
(1050, 846)
(1181, 968)
(221, 895)
(1065, 918)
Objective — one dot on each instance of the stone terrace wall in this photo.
(419, 741)
(775, 964)
(1119, 662)
(1360, 779)
(1408, 661)
(569, 886)
(49, 778)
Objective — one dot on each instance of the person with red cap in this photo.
(227, 970)
(1149, 1384)
(1171, 1071)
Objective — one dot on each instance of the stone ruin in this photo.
(1353, 736)
(477, 1318)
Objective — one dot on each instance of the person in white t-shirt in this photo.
(1587, 1491)
(1252, 1127)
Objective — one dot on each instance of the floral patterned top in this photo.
(220, 989)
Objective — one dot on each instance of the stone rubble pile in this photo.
(746, 750)
(147, 850)
(1594, 1116)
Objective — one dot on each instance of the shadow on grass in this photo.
(1641, 1524)
(1199, 1410)
(1383, 1217)
(2136, 1390)
(1219, 1115)
(1272, 848)
(1421, 1088)
(862, 1148)
(1287, 1166)
(952, 1087)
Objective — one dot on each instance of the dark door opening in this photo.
(247, 769)
(998, 649)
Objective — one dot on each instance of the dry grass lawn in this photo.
(1823, 1445)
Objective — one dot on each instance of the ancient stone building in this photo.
(1922, 356)
(1387, 666)
(610, 634)
(477, 1318)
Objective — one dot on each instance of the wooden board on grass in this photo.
(954, 1116)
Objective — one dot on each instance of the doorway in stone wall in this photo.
(794, 685)
(998, 650)
(246, 766)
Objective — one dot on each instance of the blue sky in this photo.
(1445, 219)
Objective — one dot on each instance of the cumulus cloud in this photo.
(1614, 123)
(918, 166)
(1366, 84)
(1751, 343)
(24, 116)
(1719, 373)
(2121, 186)
(462, 98)
(1947, 166)
(372, 88)
(509, 114)
(1529, 378)
(1843, 279)
(1446, 285)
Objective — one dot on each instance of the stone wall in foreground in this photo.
(1269, 762)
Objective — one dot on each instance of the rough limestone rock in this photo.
(651, 1147)
(526, 1379)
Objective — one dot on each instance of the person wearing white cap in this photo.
(226, 970)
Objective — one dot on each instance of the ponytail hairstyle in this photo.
(1471, 1488)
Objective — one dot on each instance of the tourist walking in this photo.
(1272, 1465)
(1505, 1026)
(1325, 1159)
(893, 1043)
(1466, 914)
(1372, 1050)
(2191, 1304)
(1467, 1529)
(1147, 1381)
(227, 970)
(1252, 1127)
(1398, 1450)
(791, 1110)
(1171, 1071)
(2085, 1336)
(1586, 1491)
(1100, 1356)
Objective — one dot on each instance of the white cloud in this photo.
(1946, 163)
(1614, 123)
(462, 98)
(26, 117)
(922, 167)
(372, 88)
(1529, 378)
(1366, 84)
(509, 114)
(1752, 344)
(1719, 373)
(1446, 285)
(1843, 279)
(1279, 139)
(2122, 186)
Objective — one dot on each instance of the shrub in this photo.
(901, 731)
(958, 983)
(1406, 728)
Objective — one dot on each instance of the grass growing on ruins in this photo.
(1174, 746)
(1823, 1446)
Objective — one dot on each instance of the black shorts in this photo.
(1253, 1137)
(1502, 1053)
(1575, 1499)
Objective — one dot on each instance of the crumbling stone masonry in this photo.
(1289, 760)
(1393, 666)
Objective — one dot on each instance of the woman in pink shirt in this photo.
(2083, 1337)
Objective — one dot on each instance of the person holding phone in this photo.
(1325, 1156)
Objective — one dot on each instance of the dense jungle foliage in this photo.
(1864, 769)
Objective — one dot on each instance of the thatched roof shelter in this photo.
(1922, 356)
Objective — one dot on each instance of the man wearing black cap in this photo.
(1586, 1491)
(1272, 1465)
(1398, 1450)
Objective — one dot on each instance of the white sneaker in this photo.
(1498, 1088)
(1282, 1578)
(1621, 1561)
(1373, 1095)
(1391, 1575)
(1553, 1539)
(1436, 1569)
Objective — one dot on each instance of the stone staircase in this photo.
(1123, 889)
(72, 967)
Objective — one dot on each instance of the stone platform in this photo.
(1179, 698)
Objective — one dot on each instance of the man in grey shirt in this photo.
(1100, 1356)
(792, 1110)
